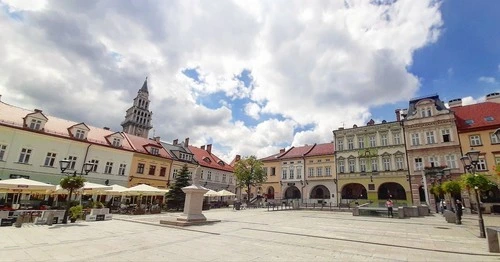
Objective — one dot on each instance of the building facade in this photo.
(138, 117)
(320, 175)
(371, 163)
(432, 144)
(476, 126)
(32, 144)
(181, 156)
(215, 173)
(151, 163)
(271, 188)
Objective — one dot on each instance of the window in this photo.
(429, 111)
(399, 162)
(217, 177)
(273, 171)
(352, 163)
(152, 170)
(140, 168)
(121, 169)
(3, 149)
(397, 138)
(95, 164)
(489, 119)
(469, 122)
(174, 173)
(319, 160)
(155, 151)
(224, 176)
(451, 161)
(434, 161)
(311, 172)
(415, 139)
(283, 176)
(373, 143)
(319, 171)
(50, 159)
(481, 164)
(231, 180)
(299, 172)
(116, 142)
(387, 163)
(340, 144)
(201, 174)
(328, 171)
(209, 175)
(430, 137)
(494, 139)
(362, 165)
(25, 155)
(109, 168)
(383, 139)
(292, 173)
(35, 124)
(341, 166)
(80, 134)
(446, 135)
(350, 143)
(374, 164)
(419, 165)
(72, 162)
(361, 142)
(422, 112)
(475, 140)
(265, 170)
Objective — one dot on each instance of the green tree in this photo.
(175, 196)
(249, 172)
(437, 190)
(71, 183)
(470, 181)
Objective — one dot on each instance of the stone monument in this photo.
(193, 204)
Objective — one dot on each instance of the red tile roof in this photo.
(478, 114)
(200, 155)
(296, 152)
(271, 158)
(141, 144)
(13, 116)
(322, 149)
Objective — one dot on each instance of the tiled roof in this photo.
(476, 116)
(296, 152)
(141, 144)
(271, 157)
(200, 156)
(322, 149)
(13, 116)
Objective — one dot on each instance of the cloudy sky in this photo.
(250, 77)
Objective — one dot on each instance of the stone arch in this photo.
(292, 192)
(391, 190)
(320, 192)
(270, 192)
(354, 191)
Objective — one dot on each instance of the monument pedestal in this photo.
(193, 206)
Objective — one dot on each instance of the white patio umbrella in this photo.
(144, 189)
(24, 185)
(211, 193)
(93, 188)
(115, 190)
(224, 192)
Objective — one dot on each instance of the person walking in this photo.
(459, 212)
(389, 206)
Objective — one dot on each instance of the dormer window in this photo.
(221, 163)
(206, 159)
(116, 142)
(80, 134)
(35, 124)
(155, 151)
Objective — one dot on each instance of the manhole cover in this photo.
(442, 227)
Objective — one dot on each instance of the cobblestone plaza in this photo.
(252, 235)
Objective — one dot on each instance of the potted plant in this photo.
(75, 212)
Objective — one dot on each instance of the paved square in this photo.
(252, 235)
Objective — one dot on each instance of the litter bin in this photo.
(237, 205)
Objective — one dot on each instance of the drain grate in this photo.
(442, 227)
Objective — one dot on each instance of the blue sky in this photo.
(467, 49)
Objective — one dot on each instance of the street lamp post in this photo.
(470, 161)
(433, 173)
(64, 165)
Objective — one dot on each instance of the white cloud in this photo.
(487, 79)
(469, 100)
(320, 64)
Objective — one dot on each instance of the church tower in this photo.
(138, 117)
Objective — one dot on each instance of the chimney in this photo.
(186, 142)
(157, 139)
(38, 110)
(455, 102)
(398, 114)
(176, 141)
(341, 128)
(493, 97)
(370, 123)
(209, 148)
(105, 128)
(282, 151)
(237, 158)
(202, 147)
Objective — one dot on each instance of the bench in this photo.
(492, 235)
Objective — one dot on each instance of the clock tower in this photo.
(138, 117)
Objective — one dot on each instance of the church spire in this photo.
(144, 87)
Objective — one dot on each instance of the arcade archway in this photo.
(292, 193)
(391, 190)
(270, 192)
(320, 192)
(354, 191)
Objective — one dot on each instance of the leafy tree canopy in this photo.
(452, 187)
(72, 182)
(437, 190)
(249, 172)
(470, 181)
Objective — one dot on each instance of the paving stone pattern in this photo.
(252, 235)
